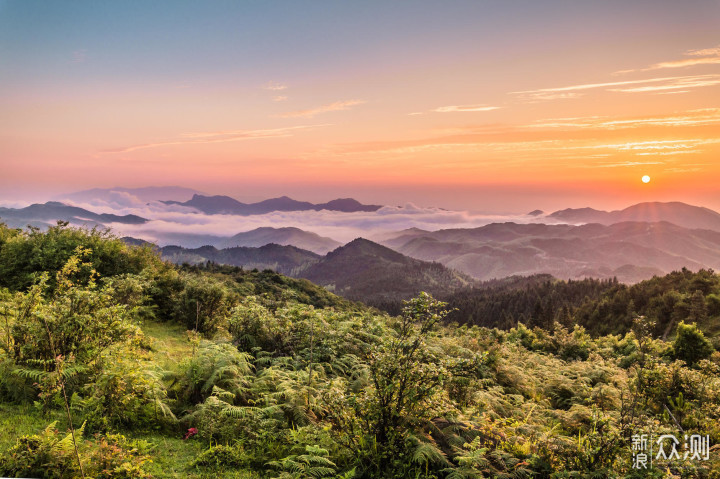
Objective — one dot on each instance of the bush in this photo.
(218, 368)
(204, 303)
(220, 457)
(690, 344)
(48, 455)
(83, 320)
(23, 255)
(51, 455)
(127, 393)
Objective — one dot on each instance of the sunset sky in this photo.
(499, 106)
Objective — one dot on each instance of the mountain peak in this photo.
(676, 212)
(226, 205)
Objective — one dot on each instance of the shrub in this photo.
(26, 254)
(218, 368)
(48, 455)
(220, 457)
(690, 344)
(127, 393)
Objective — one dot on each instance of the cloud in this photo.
(656, 147)
(708, 116)
(216, 137)
(168, 222)
(708, 56)
(280, 98)
(274, 86)
(538, 96)
(680, 83)
(335, 106)
(464, 108)
(705, 51)
(649, 84)
(623, 164)
(686, 63)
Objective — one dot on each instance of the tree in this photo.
(690, 344)
(407, 379)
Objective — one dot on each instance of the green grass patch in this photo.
(169, 342)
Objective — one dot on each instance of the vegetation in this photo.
(115, 364)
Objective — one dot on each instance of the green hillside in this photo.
(116, 364)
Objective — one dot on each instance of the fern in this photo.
(313, 464)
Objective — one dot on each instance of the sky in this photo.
(500, 106)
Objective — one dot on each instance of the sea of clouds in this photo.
(166, 221)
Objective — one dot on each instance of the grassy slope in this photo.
(171, 346)
(171, 456)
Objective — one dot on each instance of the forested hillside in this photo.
(538, 300)
(600, 306)
(116, 364)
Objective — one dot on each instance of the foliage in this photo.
(283, 379)
(84, 319)
(25, 254)
(220, 457)
(127, 393)
(50, 454)
(690, 344)
(216, 368)
(314, 463)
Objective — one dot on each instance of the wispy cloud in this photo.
(704, 51)
(649, 84)
(280, 98)
(464, 108)
(274, 86)
(681, 83)
(707, 56)
(215, 137)
(657, 147)
(708, 116)
(622, 164)
(311, 112)
(538, 96)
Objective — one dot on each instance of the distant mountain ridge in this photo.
(44, 214)
(369, 272)
(681, 214)
(282, 259)
(146, 193)
(631, 251)
(213, 205)
(282, 236)
(360, 270)
(257, 237)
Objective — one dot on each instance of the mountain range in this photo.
(360, 270)
(675, 212)
(287, 260)
(44, 214)
(146, 194)
(282, 236)
(631, 251)
(288, 236)
(226, 205)
(657, 238)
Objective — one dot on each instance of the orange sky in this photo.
(475, 105)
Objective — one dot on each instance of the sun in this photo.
(646, 179)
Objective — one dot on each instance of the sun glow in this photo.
(646, 179)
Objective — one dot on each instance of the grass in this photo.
(171, 456)
(170, 344)
(19, 420)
